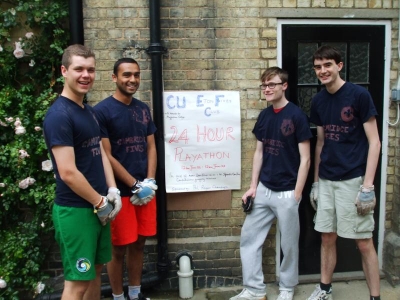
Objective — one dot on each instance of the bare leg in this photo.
(74, 290)
(115, 269)
(370, 265)
(328, 256)
(134, 261)
(93, 291)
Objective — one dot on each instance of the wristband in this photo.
(98, 205)
(134, 187)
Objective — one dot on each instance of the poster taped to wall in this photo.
(202, 141)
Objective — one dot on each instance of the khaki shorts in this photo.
(337, 212)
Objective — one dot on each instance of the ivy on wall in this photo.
(33, 35)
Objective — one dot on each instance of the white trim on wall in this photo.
(385, 130)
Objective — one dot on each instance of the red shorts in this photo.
(132, 221)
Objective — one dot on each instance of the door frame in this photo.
(385, 130)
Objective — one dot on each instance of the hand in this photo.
(142, 193)
(135, 200)
(151, 183)
(248, 204)
(365, 200)
(114, 198)
(314, 195)
(103, 211)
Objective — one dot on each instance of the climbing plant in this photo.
(33, 35)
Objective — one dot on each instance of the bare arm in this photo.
(318, 150)
(304, 149)
(65, 160)
(151, 157)
(119, 171)
(108, 172)
(371, 130)
(255, 173)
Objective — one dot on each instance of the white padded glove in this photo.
(103, 211)
(151, 183)
(365, 200)
(143, 192)
(114, 198)
(314, 195)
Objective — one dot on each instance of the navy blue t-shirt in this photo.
(68, 124)
(342, 115)
(127, 128)
(281, 134)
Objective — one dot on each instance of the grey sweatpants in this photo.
(267, 206)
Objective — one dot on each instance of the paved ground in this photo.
(347, 290)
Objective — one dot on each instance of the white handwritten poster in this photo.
(202, 141)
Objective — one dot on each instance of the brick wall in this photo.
(221, 44)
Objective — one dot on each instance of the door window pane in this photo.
(359, 62)
(306, 74)
(304, 96)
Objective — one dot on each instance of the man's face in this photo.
(79, 76)
(128, 78)
(273, 89)
(327, 70)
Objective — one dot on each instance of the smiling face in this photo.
(275, 95)
(127, 80)
(327, 71)
(79, 76)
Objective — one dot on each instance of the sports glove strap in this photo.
(367, 189)
(98, 205)
(134, 187)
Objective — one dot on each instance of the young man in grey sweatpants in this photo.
(280, 167)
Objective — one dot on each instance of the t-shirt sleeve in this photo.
(151, 128)
(58, 129)
(303, 131)
(367, 107)
(257, 126)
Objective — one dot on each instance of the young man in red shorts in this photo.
(128, 139)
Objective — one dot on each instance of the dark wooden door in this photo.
(363, 49)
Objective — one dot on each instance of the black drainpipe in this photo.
(76, 22)
(155, 51)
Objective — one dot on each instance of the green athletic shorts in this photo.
(83, 241)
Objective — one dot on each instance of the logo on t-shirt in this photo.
(287, 127)
(83, 265)
(347, 114)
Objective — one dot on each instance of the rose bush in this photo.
(33, 35)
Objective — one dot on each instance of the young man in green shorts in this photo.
(81, 212)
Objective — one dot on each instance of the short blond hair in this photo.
(75, 50)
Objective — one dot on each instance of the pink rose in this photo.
(47, 165)
(20, 130)
(23, 154)
(18, 52)
(23, 184)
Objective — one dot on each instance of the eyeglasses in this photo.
(270, 85)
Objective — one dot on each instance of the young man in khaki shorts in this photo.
(346, 157)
